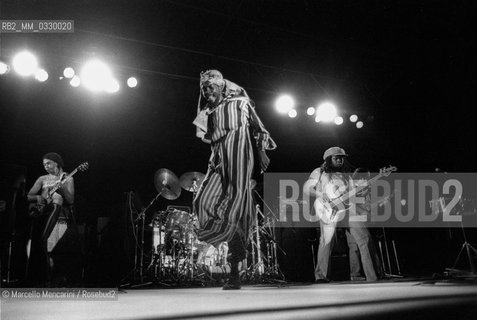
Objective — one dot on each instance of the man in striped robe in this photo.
(224, 202)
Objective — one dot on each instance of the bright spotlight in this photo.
(359, 124)
(353, 118)
(41, 75)
(326, 112)
(68, 72)
(3, 68)
(310, 111)
(25, 63)
(292, 113)
(75, 81)
(132, 82)
(338, 120)
(284, 104)
(317, 119)
(112, 86)
(95, 75)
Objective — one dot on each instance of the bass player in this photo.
(333, 178)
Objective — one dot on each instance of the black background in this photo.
(407, 68)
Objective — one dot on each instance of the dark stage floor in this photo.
(384, 299)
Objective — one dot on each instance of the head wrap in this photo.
(230, 89)
(53, 156)
(215, 77)
(211, 77)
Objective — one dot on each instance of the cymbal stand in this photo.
(142, 216)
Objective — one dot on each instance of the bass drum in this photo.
(208, 255)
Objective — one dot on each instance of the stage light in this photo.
(3, 68)
(310, 111)
(25, 63)
(132, 82)
(317, 119)
(353, 118)
(69, 72)
(41, 75)
(284, 104)
(75, 81)
(95, 75)
(112, 86)
(338, 120)
(292, 113)
(326, 111)
(359, 124)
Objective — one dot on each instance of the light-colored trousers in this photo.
(357, 236)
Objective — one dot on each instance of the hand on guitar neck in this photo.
(333, 210)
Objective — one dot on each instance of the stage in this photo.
(390, 299)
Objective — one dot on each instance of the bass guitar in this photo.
(334, 209)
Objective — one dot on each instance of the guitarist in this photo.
(46, 209)
(326, 183)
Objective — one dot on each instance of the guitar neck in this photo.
(55, 188)
(353, 192)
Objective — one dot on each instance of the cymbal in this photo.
(191, 180)
(167, 184)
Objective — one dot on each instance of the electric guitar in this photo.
(333, 211)
(37, 209)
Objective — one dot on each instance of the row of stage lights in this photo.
(94, 75)
(325, 112)
(97, 76)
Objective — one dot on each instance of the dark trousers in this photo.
(238, 252)
(39, 270)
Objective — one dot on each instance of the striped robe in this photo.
(224, 201)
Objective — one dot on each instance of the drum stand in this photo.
(158, 247)
(275, 246)
(264, 266)
(258, 266)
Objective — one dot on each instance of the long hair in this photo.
(347, 167)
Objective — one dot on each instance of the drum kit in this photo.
(177, 255)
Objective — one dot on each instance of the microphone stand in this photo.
(142, 216)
